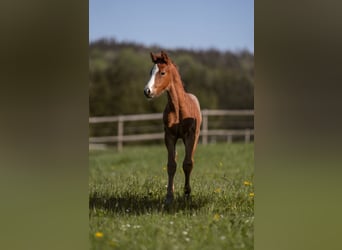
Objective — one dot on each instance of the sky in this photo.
(191, 24)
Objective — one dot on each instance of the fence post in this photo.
(229, 138)
(247, 136)
(120, 132)
(205, 127)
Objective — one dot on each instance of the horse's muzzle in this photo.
(148, 93)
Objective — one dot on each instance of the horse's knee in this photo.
(188, 165)
(171, 167)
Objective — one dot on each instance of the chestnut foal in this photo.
(182, 117)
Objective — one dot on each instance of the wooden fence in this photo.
(205, 132)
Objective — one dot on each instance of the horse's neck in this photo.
(177, 96)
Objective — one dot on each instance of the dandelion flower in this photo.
(247, 183)
(99, 235)
(251, 194)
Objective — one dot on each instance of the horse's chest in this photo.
(180, 130)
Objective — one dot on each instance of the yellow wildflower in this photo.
(217, 190)
(216, 217)
(251, 194)
(247, 183)
(99, 235)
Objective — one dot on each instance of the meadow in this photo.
(127, 191)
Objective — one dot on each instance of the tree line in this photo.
(119, 71)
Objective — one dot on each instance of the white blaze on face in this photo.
(151, 82)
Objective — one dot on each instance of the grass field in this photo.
(127, 190)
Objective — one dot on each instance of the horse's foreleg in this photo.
(170, 143)
(190, 142)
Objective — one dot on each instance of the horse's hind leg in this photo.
(170, 142)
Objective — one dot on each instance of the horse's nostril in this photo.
(147, 92)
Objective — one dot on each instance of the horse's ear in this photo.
(164, 57)
(153, 57)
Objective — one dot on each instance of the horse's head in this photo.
(160, 75)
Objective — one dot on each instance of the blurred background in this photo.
(45, 93)
(212, 43)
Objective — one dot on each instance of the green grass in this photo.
(127, 190)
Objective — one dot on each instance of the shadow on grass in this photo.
(135, 205)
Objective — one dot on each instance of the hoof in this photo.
(187, 193)
(169, 199)
(187, 197)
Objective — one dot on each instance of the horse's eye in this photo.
(162, 73)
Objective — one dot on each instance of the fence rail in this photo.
(205, 132)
